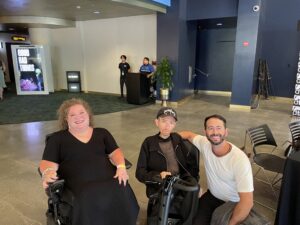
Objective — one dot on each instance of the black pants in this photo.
(207, 205)
(122, 83)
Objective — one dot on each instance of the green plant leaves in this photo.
(164, 73)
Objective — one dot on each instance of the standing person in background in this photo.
(148, 69)
(2, 81)
(124, 68)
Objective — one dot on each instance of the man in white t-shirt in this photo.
(228, 171)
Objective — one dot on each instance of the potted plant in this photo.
(163, 75)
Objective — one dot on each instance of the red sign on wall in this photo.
(245, 43)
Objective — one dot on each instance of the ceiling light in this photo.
(96, 12)
(219, 24)
(78, 7)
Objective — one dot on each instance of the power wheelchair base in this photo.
(166, 197)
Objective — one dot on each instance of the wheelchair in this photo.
(60, 202)
(165, 206)
(61, 199)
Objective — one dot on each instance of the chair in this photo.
(295, 130)
(262, 136)
(295, 137)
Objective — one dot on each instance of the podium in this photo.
(138, 88)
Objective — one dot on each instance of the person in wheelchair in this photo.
(82, 156)
(162, 155)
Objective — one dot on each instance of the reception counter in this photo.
(138, 88)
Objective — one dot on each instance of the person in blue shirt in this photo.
(148, 69)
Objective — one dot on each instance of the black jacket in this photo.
(152, 162)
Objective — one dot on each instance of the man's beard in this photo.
(222, 138)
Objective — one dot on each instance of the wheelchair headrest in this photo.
(192, 150)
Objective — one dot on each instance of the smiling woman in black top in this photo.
(81, 155)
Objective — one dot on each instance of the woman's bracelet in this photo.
(121, 166)
(46, 170)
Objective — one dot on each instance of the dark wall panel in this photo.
(215, 54)
(245, 53)
(207, 9)
(280, 43)
(176, 39)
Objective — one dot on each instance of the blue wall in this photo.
(273, 37)
(245, 56)
(187, 55)
(168, 38)
(206, 9)
(215, 54)
(280, 43)
(176, 39)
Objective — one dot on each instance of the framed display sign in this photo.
(29, 69)
(73, 81)
(296, 105)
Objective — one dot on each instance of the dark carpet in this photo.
(30, 108)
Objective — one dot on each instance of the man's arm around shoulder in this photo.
(242, 209)
(188, 135)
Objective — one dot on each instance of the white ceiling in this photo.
(62, 13)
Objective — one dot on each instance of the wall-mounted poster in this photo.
(296, 105)
(30, 70)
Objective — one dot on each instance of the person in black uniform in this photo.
(81, 155)
(165, 154)
(124, 68)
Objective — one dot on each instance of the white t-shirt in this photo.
(226, 175)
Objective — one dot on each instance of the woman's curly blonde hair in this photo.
(63, 111)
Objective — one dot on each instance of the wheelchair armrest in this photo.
(39, 171)
(155, 195)
(186, 186)
(128, 164)
(155, 180)
(56, 187)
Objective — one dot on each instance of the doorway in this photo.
(10, 67)
(214, 59)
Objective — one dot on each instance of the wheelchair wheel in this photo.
(50, 219)
(174, 221)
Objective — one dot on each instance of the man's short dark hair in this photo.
(123, 56)
(216, 116)
(146, 58)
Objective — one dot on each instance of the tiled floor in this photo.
(22, 199)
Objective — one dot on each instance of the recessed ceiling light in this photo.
(78, 7)
(96, 12)
(219, 24)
